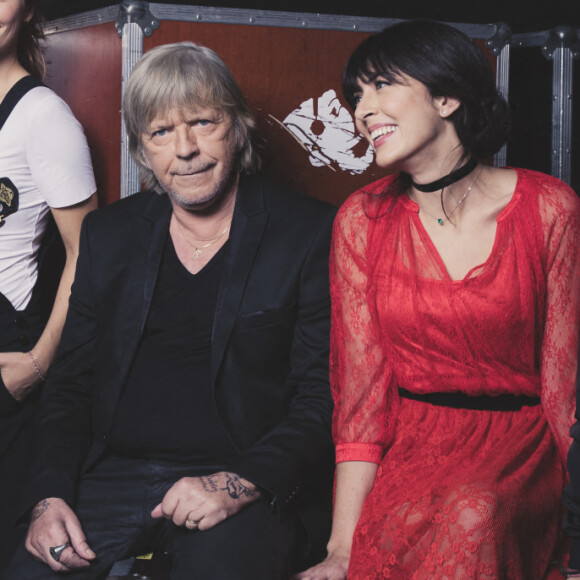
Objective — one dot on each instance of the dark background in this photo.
(530, 70)
(522, 16)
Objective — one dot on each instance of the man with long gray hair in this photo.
(189, 409)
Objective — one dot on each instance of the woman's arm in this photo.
(354, 481)
(560, 210)
(362, 386)
(18, 369)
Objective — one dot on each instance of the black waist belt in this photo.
(478, 403)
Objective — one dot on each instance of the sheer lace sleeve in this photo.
(361, 380)
(560, 210)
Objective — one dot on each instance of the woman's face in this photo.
(12, 14)
(403, 123)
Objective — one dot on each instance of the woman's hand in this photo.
(333, 568)
(354, 481)
(18, 374)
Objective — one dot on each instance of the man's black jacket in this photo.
(269, 352)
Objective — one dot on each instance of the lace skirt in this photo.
(463, 494)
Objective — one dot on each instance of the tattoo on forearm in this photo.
(39, 509)
(233, 485)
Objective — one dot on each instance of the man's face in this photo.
(192, 153)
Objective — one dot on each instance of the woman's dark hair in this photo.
(30, 53)
(449, 64)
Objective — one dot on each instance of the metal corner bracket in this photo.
(561, 37)
(136, 11)
(501, 38)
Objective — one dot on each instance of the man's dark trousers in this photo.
(114, 505)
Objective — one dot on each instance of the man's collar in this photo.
(159, 208)
(251, 200)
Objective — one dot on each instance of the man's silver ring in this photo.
(57, 551)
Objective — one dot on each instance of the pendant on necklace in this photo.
(196, 254)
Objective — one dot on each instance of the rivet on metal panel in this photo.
(500, 38)
(136, 11)
(561, 37)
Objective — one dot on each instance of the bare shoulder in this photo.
(495, 189)
(498, 183)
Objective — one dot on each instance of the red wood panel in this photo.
(84, 68)
(279, 71)
(291, 78)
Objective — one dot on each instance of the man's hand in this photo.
(18, 373)
(203, 502)
(52, 524)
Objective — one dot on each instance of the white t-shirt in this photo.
(44, 152)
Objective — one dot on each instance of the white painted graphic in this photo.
(327, 131)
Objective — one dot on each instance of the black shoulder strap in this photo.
(15, 94)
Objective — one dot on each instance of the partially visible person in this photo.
(45, 174)
(571, 495)
(189, 408)
(456, 290)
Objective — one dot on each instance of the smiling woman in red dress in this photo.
(455, 290)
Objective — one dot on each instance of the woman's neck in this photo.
(11, 71)
(437, 158)
(445, 181)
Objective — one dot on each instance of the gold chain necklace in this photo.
(441, 221)
(197, 250)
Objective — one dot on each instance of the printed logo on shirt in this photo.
(8, 198)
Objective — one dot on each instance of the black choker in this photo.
(448, 179)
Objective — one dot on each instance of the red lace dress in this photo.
(459, 493)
